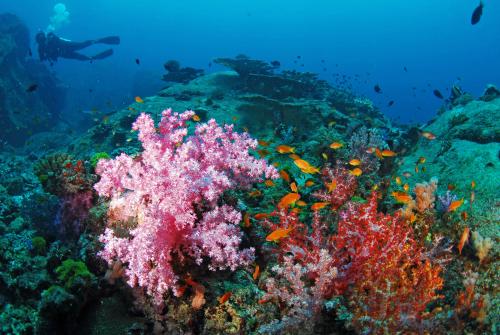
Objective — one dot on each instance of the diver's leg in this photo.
(75, 46)
(76, 55)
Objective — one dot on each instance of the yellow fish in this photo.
(319, 205)
(388, 153)
(336, 145)
(285, 149)
(401, 197)
(196, 118)
(305, 167)
(293, 187)
(309, 183)
(288, 200)
(278, 234)
(356, 172)
(406, 187)
(139, 100)
(355, 162)
(398, 180)
(455, 204)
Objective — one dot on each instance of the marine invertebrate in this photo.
(168, 195)
(359, 144)
(71, 272)
(482, 245)
(340, 186)
(424, 193)
(383, 270)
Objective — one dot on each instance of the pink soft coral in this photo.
(163, 204)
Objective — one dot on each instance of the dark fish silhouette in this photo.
(32, 88)
(137, 61)
(390, 103)
(209, 64)
(377, 88)
(476, 15)
(438, 94)
(299, 57)
(275, 63)
(30, 53)
(406, 70)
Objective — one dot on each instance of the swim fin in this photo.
(109, 40)
(102, 55)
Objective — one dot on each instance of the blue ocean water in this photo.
(369, 41)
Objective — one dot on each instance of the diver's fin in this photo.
(102, 55)
(109, 40)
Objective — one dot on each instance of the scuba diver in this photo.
(51, 47)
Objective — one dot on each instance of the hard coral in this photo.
(171, 191)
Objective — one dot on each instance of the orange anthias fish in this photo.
(473, 184)
(455, 204)
(378, 153)
(319, 205)
(255, 193)
(263, 143)
(331, 185)
(356, 172)
(293, 187)
(463, 239)
(260, 216)
(421, 160)
(288, 200)
(139, 100)
(305, 167)
(355, 162)
(225, 297)
(401, 197)
(256, 273)
(269, 183)
(370, 150)
(388, 153)
(336, 145)
(285, 176)
(246, 220)
(406, 187)
(263, 152)
(301, 203)
(464, 216)
(285, 149)
(278, 234)
(398, 180)
(451, 187)
(196, 118)
(428, 135)
(309, 183)
(294, 156)
(407, 174)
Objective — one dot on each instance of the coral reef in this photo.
(170, 193)
(24, 112)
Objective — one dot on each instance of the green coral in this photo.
(98, 156)
(71, 272)
(39, 245)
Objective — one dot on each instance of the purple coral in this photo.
(360, 142)
(445, 201)
(163, 206)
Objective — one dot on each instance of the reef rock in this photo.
(30, 98)
(466, 149)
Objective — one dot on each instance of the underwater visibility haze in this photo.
(249, 167)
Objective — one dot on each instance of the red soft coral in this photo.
(340, 186)
(383, 270)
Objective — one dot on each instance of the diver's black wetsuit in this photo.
(51, 47)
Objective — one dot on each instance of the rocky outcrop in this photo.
(30, 97)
